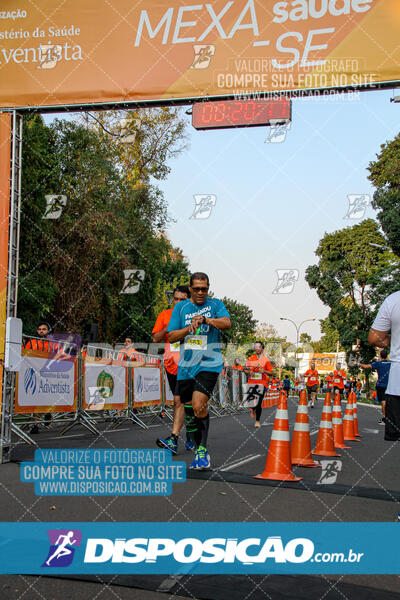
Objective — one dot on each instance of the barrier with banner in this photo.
(147, 386)
(98, 386)
(169, 397)
(46, 383)
(105, 384)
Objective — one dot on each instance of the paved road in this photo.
(367, 489)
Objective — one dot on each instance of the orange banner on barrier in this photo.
(105, 384)
(46, 383)
(82, 52)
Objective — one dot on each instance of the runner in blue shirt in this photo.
(286, 385)
(382, 367)
(196, 323)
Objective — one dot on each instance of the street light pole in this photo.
(296, 369)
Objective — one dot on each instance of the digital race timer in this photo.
(240, 113)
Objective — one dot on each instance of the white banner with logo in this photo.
(45, 382)
(146, 386)
(169, 397)
(105, 386)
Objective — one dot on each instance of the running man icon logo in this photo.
(204, 204)
(203, 54)
(330, 471)
(252, 395)
(286, 281)
(30, 382)
(277, 132)
(49, 54)
(133, 279)
(62, 547)
(95, 401)
(358, 204)
(54, 206)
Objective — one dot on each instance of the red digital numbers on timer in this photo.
(234, 113)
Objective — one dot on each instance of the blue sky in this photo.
(274, 201)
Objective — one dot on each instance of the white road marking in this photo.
(167, 584)
(371, 430)
(243, 461)
(74, 435)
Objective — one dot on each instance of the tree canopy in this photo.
(349, 259)
(384, 173)
(242, 321)
(72, 268)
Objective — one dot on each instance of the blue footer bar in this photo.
(199, 548)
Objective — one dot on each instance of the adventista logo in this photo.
(139, 385)
(62, 547)
(30, 382)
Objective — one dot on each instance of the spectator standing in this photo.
(43, 343)
(382, 367)
(385, 333)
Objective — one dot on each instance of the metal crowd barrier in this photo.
(227, 398)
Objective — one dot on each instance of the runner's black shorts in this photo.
(340, 390)
(312, 388)
(392, 418)
(173, 383)
(202, 382)
(380, 394)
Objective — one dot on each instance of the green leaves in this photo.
(72, 267)
(349, 261)
(242, 321)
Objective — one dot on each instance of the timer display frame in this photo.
(224, 114)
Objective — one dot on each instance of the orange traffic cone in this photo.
(337, 423)
(278, 465)
(300, 448)
(325, 445)
(355, 419)
(348, 423)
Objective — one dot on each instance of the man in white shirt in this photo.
(385, 333)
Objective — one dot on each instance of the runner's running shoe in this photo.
(203, 458)
(195, 463)
(168, 443)
(189, 445)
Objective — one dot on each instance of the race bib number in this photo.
(196, 342)
(175, 347)
(256, 376)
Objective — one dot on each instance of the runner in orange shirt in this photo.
(171, 359)
(258, 368)
(329, 382)
(339, 377)
(312, 384)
